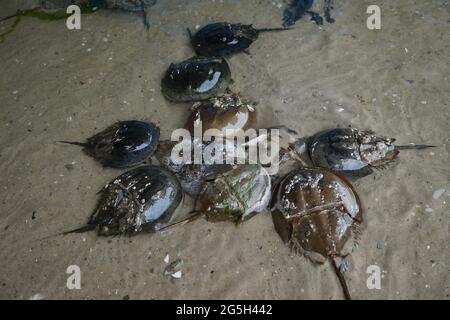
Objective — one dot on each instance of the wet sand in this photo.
(57, 84)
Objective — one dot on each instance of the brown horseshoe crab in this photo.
(353, 152)
(317, 213)
(123, 144)
(139, 200)
(233, 196)
(228, 114)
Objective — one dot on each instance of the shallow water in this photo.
(58, 84)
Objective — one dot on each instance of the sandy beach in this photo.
(60, 84)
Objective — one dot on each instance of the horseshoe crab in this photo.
(228, 114)
(191, 175)
(139, 200)
(222, 39)
(236, 196)
(317, 213)
(353, 152)
(122, 144)
(282, 158)
(196, 79)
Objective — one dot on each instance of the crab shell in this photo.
(190, 175)
(222, 39)
(139, 200)
(196, 79)
(227, 114)
(235, 195)
(315, 212)
(350, 151)
(124, 143)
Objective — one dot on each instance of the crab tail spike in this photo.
(145, 19)
(81, 144)
(189, 33)
(86, 228)
(145, 15)
(78, 230)
(415, 147)
(194, 216)
(272, 29)
(341, 279)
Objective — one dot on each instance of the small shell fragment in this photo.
(438, 193)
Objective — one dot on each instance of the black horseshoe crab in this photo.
(196, 79)
(123, 144)
(222, 39)
(317, 213)
(354, 152)
(139, 200)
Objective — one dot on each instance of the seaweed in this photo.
(317, 18)
(11, 28)
(41, 15)
(327, 11)
(295, 11)
(298, 8)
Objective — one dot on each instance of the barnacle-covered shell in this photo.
(229, 114)
(314, 210)
(235, 195)
(317, 213)
(137, 201)
(196, 79)
(350, 150)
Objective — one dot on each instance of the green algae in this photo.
(41, 15)
(234, 193)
